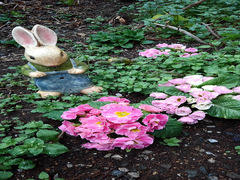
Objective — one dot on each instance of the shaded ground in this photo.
(195, 158)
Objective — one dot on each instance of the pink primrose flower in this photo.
(203, 106)
(236, 97)
(185, 55)
(187, 120)
(191, 50)
(129, 143)
(183, 111)
(68, 127)
(69, 115)
(236, 89)
(194, 54)
(113, 99)
(121, 114)
(177, 81)
(94, 112)
(96, 124)
(166, 84)
(72, 113)
(184, 87)
(150, 53)
(165, 105)
(132, 130)
(222, 90)
(166, 52)
(162, 45)
(197, 115)
(149, 108)
(84, 133)
(100, 147)
(155, 121)
(194, 79)
(204, 96)
(176, 100)
(207, 78)
(158, 95)
(177, 46)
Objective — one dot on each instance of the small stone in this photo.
(147, 152)
(123, 169)
(145, 157)
(166, 166)
(211, 126)
(142, 167)
(134, 174)
(211, 160)
(119, 95)
(212, 178)
(108, 155)
(209, 132)
(212, 140)
(210, 153)
(117, 173)
(155, 173)
(81, 165)
(69, 165)
(233, 175)
(192, 173)
(117, 157)
(203, 169)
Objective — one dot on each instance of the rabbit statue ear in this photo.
(24, 37)
(44, 35)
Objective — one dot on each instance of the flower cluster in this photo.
(154, 53)
(116, 124)
(200, 98)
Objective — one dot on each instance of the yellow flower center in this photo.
(135, 130)
(99, 123)
(122, 114)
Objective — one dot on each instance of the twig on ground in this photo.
(192, 5)
(55, 19)
(61, 135)
(211, 31)
(182, 31)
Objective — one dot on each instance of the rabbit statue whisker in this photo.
(53, 71)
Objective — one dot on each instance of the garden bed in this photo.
(206, 151)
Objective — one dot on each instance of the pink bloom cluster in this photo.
(113, 125)
(154, 53)
(200, 98)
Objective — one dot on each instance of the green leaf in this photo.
(227, 81)
(5, 174)
(225, 107)
(171, 142)
(97, 104)
(170, 90)
(173, 128)
(47, 135)
(128, 45)
(43, 175)
(27, 164)
(204, 46)
(55, 149)
(147, 42)
(55, 115)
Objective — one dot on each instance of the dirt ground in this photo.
(207, 148)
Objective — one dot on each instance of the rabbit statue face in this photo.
(40, 45)
(46, 55)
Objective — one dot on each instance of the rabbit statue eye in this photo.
(62, 54)
(31, 57)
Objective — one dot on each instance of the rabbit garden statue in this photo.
(53, 71)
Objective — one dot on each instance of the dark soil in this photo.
(195, 158)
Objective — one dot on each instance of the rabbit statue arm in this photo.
(80, 68)
(26, 70)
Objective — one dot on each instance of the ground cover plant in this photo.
(177, 87)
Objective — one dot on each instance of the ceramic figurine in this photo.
(54, 72)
